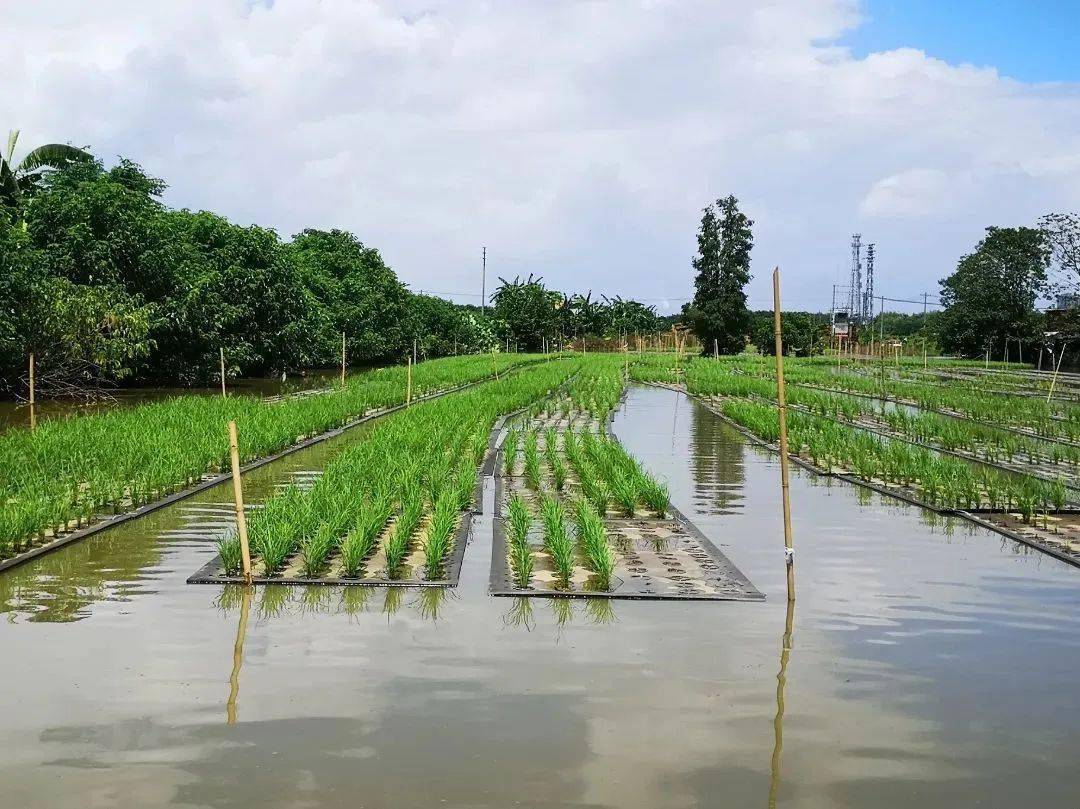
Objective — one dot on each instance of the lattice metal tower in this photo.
(868, 285)
(855, 302)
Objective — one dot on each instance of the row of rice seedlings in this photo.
(518, 523)
(555, 462)
(593, 543)
(398, 543)
(440, 534)
(510, 451)
(941, 481)
(363, 538)
(532, 461)
(592, 485)
(626, 480)
(557, 540)
(68, 472)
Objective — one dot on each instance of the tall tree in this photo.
(718, 312)
(991, 296)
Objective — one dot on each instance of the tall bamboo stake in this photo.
(343, 359)
(408, 381)
(715, 349)
(495, 365)
(781, 401)
(1057, 368)
(33, 393)
(238, 497)
(221, 351)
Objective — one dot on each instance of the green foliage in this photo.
(718, 311)
(991, 295)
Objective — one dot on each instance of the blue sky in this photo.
(1032, 41)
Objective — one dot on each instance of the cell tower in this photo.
(855, 301)
(868, 291)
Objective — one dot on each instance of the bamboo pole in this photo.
(495, 365)
(408, 381)
(343, 359)
(715, 349)
(924, 353)
(221, 351)
(781, 402)
(238, 657)
(238, 497)
(33, 394)
(1057, 368)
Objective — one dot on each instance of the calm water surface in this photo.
(927, 664)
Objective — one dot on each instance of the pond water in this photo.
(17, 414)
(927, 664)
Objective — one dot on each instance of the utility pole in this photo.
(924, 296)
(483, 284)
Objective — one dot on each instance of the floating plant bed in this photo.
(655, 559)
(578, 517)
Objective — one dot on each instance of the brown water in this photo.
(929, 665)
(17, 414)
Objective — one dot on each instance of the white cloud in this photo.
(577, 140)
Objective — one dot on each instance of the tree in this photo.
(991, 296)
(27, 176)
(718, 311)
(1063, 237)
(529, 310)
(802, 333)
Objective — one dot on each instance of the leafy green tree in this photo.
(991, 295)
(718, 311)
(529, 310)
(362, 295)
(802, 333)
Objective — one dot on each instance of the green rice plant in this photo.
(363, 538)
(655, 495)
(592, 541)
(440, 535)
(316, 547)
(518, 524)
(532, 462)
(624, 488)
(399, 542)
(510, 450)
(231, 554)
(557, 538)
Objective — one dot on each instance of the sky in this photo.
(577, 140)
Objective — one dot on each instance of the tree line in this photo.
(105, 284)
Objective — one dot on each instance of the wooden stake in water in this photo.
(408, 381)
(221, 350)
(781, 401)
(238, 497)
(33, 393)
(1057, 368)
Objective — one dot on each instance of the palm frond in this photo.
(53, 155)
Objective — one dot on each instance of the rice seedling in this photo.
(655, 495)
(557, 538)
(362, 539)
(624, 488)
(440, 535)
(518, 524)
(592, 540)
(532, 462)
(231, 554)
(399, 543)
(510, 451)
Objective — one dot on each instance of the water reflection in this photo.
(280, 601)
(778, 720)
(716, 461)
(238, 654)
